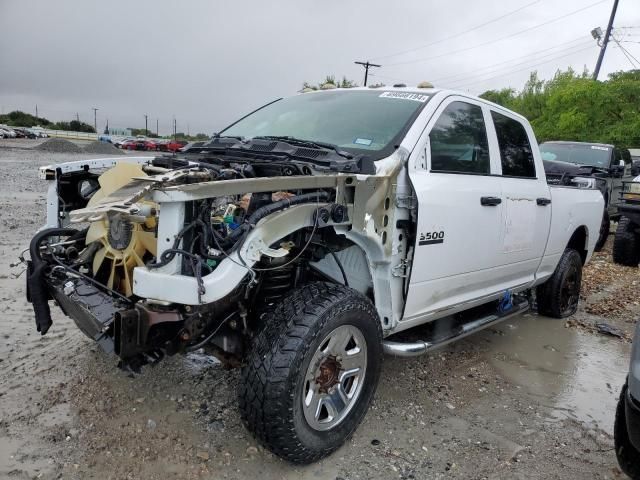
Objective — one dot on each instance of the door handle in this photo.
(543, 201)
(490, 201)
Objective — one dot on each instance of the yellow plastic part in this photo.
(121, 262)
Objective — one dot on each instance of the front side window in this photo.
(515, 150)
(459, 141)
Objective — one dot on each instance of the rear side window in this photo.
(515, 150)
(459, 141)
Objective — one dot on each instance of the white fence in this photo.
(70, 135)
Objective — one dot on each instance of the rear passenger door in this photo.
(527, 200)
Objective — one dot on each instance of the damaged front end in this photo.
(169, 255)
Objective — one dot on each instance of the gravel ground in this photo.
(533, 398)
(59, 145)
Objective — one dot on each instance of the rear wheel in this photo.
(558, 296)
(604, 230)
(312, 371)
(625, 244)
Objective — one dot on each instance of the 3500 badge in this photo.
(431, 238)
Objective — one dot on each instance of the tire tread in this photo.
(290, 328)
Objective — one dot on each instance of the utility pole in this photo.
(366, 66)
(175, 131)
(607, 34)
(157, 134)
(36, 110)
(146, 130)
(95, 118)
(77, 117)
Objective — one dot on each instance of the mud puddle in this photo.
(574, 374)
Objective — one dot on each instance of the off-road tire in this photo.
(552, 295)
(628, 456)
(605, 227)
(270, 391)
(625, 244)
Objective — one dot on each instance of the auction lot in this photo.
(531, 398)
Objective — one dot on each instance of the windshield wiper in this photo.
(299, 142)
(237, 137)
(581, 165)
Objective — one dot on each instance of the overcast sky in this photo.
(208, 62)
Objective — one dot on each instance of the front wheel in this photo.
(558, 296)
(312, 371)
(605, 226)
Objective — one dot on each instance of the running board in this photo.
(413, 349)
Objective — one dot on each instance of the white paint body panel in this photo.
(486, 250)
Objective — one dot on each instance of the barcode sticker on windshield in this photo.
(416, 97)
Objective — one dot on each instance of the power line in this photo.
(455, 35)
(624, 52)
(521, 69)
(490, 67)
(627, 52)
(500, 38)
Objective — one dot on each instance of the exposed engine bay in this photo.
(170, 254)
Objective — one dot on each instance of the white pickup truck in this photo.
(297, 242)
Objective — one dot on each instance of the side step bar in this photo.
(413, 349)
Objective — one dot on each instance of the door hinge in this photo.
(400, 270)
(406, 201)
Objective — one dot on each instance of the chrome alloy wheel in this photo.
(334, 378)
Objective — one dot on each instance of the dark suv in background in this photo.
(610, 165)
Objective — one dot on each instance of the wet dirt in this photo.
(530, 398)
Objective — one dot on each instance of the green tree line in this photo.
(572, 106)
(22, 119)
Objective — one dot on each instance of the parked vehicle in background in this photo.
(610, 165)
(26, 132)
(175, 145)
(105, 138)
(151, 145)
(129, 144)
(8, 131)
(39, 131)
(626, 244)
(140, 143)
(635, 161)
(119, 143)
(296, 248)
(626, 429)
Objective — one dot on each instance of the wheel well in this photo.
(578, 242)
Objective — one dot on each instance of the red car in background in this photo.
(151, 145)
(129, 144)
(174, 145)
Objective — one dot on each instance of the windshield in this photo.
(592, 155)
(358, 121)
